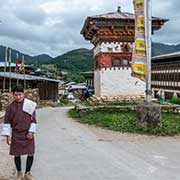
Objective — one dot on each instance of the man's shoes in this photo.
(19, 176)
(28, 176)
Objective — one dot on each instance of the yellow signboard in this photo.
(140, 67)
(140, 23)
(140, 46)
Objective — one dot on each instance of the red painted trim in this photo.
(105, 60)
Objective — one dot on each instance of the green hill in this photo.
(43, 58)
(79, 60)
(75, 61)
(159, 48)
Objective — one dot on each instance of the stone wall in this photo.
(7, 98)
(32, 94)
(128, 99)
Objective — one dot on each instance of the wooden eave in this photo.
(93, 25)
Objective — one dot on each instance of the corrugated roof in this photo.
(70, 83)
(2, 64)
(163, 56)
(76, 86)
(27, 77)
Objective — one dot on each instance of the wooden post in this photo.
(5, 65)
(9, 70)
(17, 70)
(24, 73)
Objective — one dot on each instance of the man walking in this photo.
(19, 128)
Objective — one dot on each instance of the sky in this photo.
(53, 26)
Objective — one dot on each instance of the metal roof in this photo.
(70, 83)
(27, 77)
(77, 86)
(2, 64)
(164, 56)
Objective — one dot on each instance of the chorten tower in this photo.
(112, 35)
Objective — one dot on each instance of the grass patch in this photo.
(86, 103)
(63, 102)
(125, 121)
(175, 101)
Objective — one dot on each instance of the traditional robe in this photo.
(21, 119)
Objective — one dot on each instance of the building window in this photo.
(125, 62)
(116, 62)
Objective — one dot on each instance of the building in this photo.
(48, 88)
(166, 75)
(28, 69)
(113, 36)
(89, 77)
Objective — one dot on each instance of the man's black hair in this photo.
(18, 88)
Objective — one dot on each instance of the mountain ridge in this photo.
(79, 60)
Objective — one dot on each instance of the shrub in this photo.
(175, 100)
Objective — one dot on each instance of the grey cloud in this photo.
(31, 15)
(170, 10)
(29, 28)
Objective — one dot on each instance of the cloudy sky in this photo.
(53, 26)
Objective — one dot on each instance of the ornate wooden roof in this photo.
(114, 24)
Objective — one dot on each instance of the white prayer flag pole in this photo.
(148, 21)
(5, 65)
(23, 70)
(17, 67)
(10, 70)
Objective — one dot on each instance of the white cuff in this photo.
(6, 131)
(33, 127)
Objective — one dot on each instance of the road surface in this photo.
(67, 150)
